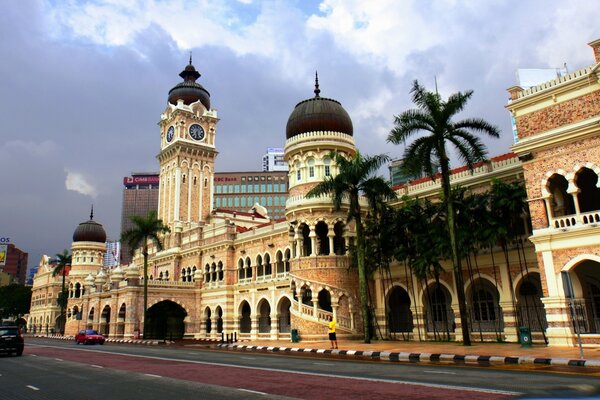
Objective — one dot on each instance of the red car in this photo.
(89, 336)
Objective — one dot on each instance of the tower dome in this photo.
(318, 114)
(189, 90)
(89, 231)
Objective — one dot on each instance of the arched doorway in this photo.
(164, 320)
(121, 320)
(484, 307)
(105, 321)
(439, 317)
(245, 321)
(324, 300)
(219, 313)
(283, 310)
(264, 316)
(207, 320)
(586, 285)
(400, 318)
(530, 309)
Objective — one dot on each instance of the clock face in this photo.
(196, 132)
(170, 133)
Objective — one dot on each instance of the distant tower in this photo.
(87, 258)
(319, 234)
(187, 155)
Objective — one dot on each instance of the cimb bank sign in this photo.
(4, 241)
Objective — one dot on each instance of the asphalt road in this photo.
(52, 369)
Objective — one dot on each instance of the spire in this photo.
(317, 90)
(92, 213)
(190, 58)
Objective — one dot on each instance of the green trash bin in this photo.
(294, 335)
(524, 336)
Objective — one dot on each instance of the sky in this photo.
(83, 83)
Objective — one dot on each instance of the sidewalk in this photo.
(502, 353)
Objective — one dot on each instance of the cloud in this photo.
(80, 184)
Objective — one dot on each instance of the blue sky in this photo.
(84, 83)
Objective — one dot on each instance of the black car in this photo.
(11, 340)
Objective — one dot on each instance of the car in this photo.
(89, 336)
(11, 340)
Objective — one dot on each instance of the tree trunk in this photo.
(362, 276)
(62, 303)
(145, 288)
(460, 286)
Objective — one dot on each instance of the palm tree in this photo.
(64, 259)
(146, 229)
(434, 116)
(355, 177)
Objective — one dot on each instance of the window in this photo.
(236, 188)
(218, 202)
(256, 189)
(263, 188)
(327, 164)
(311, 168)
(270, 188)
(236, 201)
(218, 189)
(282, 187)
(298, 175)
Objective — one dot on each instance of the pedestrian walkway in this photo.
(508, 353)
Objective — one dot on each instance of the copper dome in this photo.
(318, 114)
(189, 90)
(89, 231)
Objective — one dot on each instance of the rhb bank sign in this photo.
(4, 241)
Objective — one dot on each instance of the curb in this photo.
(421, 357)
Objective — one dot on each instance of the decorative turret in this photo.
(189, 90)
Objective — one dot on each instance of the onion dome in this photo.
(318, 114)
(90, 231)
(117, 274)
(100, 278)
(189, 90)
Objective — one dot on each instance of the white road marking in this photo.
(399, 382)
(249, 358)
(252, 391)
(439, 372)
(32, 355)
(321, 363)
(32, 387)
(154, 376)
(96, 366)
(58, 359)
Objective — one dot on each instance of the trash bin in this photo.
(294, 335)
(524, 336)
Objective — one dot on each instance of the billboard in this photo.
(141, 180)
(3, 254)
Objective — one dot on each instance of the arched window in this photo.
(561, 202)
(589, 194)
(311, 167)
(327, 166)
(322, 230)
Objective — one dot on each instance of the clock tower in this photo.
(187, 154)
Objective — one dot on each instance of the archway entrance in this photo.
(400, 318)
(586, 285)
(284, 315)
(164, 320)
(105, 321)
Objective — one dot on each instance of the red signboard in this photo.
(141, 180)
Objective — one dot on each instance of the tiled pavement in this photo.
(478, 353)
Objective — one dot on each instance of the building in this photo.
(15, 264)
(140, 196)
(557, 124)
(223, 271)
(44, 315)
(113, 253)
(240, 191)
(274, 160)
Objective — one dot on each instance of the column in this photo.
(573, 191)
(313, 241)
(330, 236)
(315, 304)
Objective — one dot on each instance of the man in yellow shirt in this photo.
(332, 337)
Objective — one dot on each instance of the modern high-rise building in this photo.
(14, 263)
(140, 196)
(113, 253)
(240, 191)
(273, 160)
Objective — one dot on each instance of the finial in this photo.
(190, 58)
(317, 90)
(92, 213)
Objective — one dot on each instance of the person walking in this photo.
(332, 337)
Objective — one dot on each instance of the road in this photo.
(52, 369)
